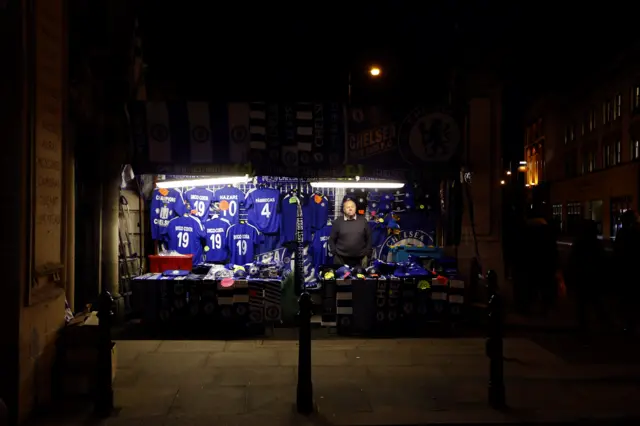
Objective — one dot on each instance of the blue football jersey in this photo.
(185, 235)
(318, 206)
(242, 239)
(216, 232)
(199, 200)
(263, 209)
(320, 247)
(229, 199)
(165, 205)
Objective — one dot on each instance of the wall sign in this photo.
(47, 142)
(415, 237)
(382, 137)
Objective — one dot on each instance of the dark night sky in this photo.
(244, 51)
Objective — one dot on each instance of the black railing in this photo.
(495, 349)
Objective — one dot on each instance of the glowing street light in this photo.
(374, 71)
(501, 182)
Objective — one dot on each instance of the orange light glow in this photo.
(375, 71)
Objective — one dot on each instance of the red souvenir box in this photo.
(159, 264)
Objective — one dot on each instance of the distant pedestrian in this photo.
(586, 254)
(626, 250)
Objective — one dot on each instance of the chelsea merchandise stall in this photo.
(241, 199)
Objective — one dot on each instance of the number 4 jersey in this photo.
(185, 235)
(262, 206)
(242, 240)
(216, 231)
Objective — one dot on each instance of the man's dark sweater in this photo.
(350, 238)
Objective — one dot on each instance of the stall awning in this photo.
(296, 138)
(265, 135)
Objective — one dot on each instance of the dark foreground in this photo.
(549, 378)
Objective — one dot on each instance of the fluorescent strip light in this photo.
(357, 184)
(231, 180)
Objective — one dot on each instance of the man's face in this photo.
(349, 208)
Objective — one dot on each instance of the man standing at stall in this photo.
(350, 239)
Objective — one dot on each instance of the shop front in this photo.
(241, 201)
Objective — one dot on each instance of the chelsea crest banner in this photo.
(392, 138)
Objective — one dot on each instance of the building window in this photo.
(619, 205)
(557, 216)
(635, 99)
(606, 156)
(574, 216)
(592, 161)
(617, 107)
(592, 120)
(635, 150)
(618, 153)
(595, 213)
(570, 164)
(606, 112)
(569, 134)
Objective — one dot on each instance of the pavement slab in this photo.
(360, 382)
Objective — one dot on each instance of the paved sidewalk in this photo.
(360, 382)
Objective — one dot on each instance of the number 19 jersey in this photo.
(263, 210)
(199, 200)
(185, 235)
(242, 240)
(216, 231)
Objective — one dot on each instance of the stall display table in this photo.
(191, 299)
(391, 306)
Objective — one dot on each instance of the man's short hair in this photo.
(348, 201)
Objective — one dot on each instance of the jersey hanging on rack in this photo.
(318, 207)
(242, 239)
(185, 235)
(288, 214)
(199, 200)
(320, 246)
(263, 209)
(229, 200)
(166, 203)
(216, 232)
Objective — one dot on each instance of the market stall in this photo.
(228, 238)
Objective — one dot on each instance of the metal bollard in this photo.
(304, 394)
(104, 388)
(495, 344)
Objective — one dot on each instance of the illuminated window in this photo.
(635, 149)
(635, 99)
(557, 215)
(618, 153)
(617, 107)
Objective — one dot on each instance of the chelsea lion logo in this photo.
(428, 136)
